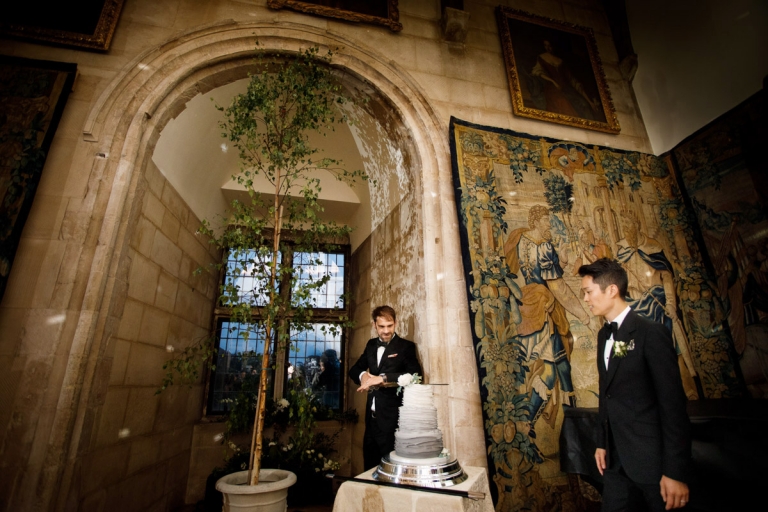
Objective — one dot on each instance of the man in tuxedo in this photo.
(643, 443)
(384, 359)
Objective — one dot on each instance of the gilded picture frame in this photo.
(554, 72)
(377, 12)
(89, 27)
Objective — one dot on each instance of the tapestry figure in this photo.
(544, 331)
(651, 290)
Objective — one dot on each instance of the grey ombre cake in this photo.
(417, 436)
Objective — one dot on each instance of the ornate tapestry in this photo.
(32, 98)
(531, 211)
(722, 171)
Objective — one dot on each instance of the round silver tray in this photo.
(432, 474)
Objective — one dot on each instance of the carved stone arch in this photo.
(124, 127)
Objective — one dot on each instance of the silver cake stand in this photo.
(434, 472)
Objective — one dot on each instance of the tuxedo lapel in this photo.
(601, 352)
(372, 358)
(625, 333)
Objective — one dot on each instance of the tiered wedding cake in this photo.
(418, 436)
(419, 458)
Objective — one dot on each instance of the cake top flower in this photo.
(406, 380)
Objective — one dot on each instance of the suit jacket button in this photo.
(608, 396)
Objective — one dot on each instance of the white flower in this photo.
(290, 446)
(620, 348)
(285, 448)
(317, 470)
(272, 443)
(282, 404)
(404, 380)
(319, 455)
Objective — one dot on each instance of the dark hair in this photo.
(384, 311)
(606, 272)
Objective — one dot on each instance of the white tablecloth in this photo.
(360, 497)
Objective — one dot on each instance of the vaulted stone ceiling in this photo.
(199, 162)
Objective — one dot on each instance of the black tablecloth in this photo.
(729, 448)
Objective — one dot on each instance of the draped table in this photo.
(359, 497)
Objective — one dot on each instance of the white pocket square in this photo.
(392, 355)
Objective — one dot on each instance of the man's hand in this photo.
(368, 380)
(600, 456)
(673, 492)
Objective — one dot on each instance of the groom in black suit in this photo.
(384, 359)
(644, 439)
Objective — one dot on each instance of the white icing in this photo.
(418, 436)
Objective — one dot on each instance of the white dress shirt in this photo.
(609, 342)
(379, 353)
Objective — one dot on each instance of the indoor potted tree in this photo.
(269, 124)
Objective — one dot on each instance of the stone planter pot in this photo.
(269, 496)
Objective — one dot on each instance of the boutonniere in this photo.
(620, 348)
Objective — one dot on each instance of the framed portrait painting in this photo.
(377, 12)
(87, 24)
(554, 72)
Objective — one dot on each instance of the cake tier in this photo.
(418, 445)
(417, 418)
(418, 395)
(397, 459)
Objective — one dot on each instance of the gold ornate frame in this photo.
(523, 102)
(100, 39)
(391, 21)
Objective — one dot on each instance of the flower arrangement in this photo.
(406, 380)
(620, 348)
(294, 445)
(302, 450)
(292, 457)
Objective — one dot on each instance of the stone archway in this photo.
(124, 127)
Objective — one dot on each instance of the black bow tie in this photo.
(380, 343)
(611, 328)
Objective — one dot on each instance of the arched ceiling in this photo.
(199, 162)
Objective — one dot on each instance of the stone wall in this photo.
(385, 270)
(138, 455)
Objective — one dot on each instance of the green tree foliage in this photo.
(290, 97)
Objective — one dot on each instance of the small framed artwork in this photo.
(554, 71)
(87, 24)
(378, 12)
